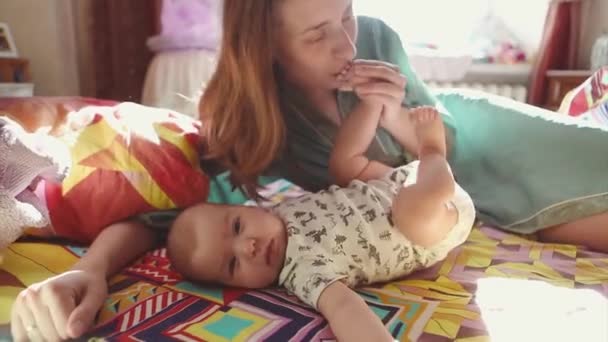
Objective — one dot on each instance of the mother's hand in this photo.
(59, 308)
(376, 82)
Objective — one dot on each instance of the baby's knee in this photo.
(423, 234)
(425, 229)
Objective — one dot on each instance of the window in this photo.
(449, 24)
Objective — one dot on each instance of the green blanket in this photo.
(526, 168)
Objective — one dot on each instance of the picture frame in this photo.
(8, 49)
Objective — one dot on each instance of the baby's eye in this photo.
(236, 226)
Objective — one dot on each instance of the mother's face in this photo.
(315, 40)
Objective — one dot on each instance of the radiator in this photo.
(514, 91)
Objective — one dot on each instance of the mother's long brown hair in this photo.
(240, 110)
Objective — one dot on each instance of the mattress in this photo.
(496, 286)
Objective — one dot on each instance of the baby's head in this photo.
(232, 245)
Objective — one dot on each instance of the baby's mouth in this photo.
(269, 252)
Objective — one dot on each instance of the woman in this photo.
(274, 104)
(275, 99)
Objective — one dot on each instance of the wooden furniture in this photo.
(113, 56)
(16, 89)
(15, 78)
(14, 70)
(560, 82)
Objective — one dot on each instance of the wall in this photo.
(595, 23)
(43, 32)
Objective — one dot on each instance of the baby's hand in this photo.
(349, 316)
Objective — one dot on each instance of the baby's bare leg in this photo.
(420, 210)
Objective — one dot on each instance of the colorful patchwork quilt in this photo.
(497, 286)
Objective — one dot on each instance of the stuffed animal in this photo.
(26, 159)
(112, 164)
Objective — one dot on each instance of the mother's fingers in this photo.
(60, 306)
(22, 318)
(44, 322)
(357, 80)
(372, 62)
(380, 88)
(380, 98)
(18, 328)
(380, 72)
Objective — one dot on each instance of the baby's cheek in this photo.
(258, 276)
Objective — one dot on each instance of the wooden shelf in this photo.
(14, 70)
(561, 82)
(16, 89)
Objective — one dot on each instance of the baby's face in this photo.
(233, 245)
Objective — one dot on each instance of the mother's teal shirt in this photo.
(524, 167)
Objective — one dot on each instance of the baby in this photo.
(321, 245)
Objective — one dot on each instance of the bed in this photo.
(497, 286)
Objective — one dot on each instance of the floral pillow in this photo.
(46, 113)
(589, 95)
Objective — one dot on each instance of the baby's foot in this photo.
(429, 130)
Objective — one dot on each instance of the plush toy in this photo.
(112, 164)
(25, 160)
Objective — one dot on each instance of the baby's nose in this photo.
(249, 248)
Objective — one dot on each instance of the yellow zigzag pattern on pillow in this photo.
(179, 141)
(100, 137)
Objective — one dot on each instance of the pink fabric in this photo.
(188, 24)
(40, 192)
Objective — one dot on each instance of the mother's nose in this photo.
(344, 47)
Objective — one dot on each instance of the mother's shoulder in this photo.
(376, 40)
(371, 25)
